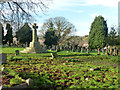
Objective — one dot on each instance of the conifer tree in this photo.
(9, 36)
(24, 34)
(98, 34)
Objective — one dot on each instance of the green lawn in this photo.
(68, 70)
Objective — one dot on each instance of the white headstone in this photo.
(29, 82)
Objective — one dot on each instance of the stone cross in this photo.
(34, 37)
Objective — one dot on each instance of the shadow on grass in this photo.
(47, 56)
(68, 55)
(75, 55)
(75, 60)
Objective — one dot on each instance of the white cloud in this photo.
(78, 11)
(93, 15)
(108, 3)
(83, 28)
(39, 25)
(65, 4)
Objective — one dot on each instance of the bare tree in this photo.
(62, 27)
(17, 12)
(75, 40)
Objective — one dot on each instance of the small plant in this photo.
(13, 73)
(14, 81)
(25, 59)
(10, 58)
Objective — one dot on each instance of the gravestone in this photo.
(87, 50)
(73, 50)
(3, 68)
(29, 82)
(54, 55)
(106, 53)
(114, 51)
(103, 50)
(34, 46)
(70, 47)
(16, 52)
(79, 49)
(26, 44)
(62, 47)
(111, 51)
(82, 50)
(3, 58)
(58, 49)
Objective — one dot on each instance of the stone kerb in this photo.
(28, 83)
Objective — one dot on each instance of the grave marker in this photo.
(82, 50)
(54, 55)
(3, 58)
(34, 46)
(16, 52)
(29, 82)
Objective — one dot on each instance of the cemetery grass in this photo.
(68, 70)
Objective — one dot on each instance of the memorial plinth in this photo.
(34, 46)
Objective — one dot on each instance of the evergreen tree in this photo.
(50, 38)
(112, 39)
(24, 34)
(2, 34)
(98, 34)
(9, 36)
(3, 37)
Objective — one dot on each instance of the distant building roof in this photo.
(85, 44)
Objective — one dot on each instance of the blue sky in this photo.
(81, 13)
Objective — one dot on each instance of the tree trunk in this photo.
(98, 51)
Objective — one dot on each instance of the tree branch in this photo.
(21, 8)
(10, 7)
